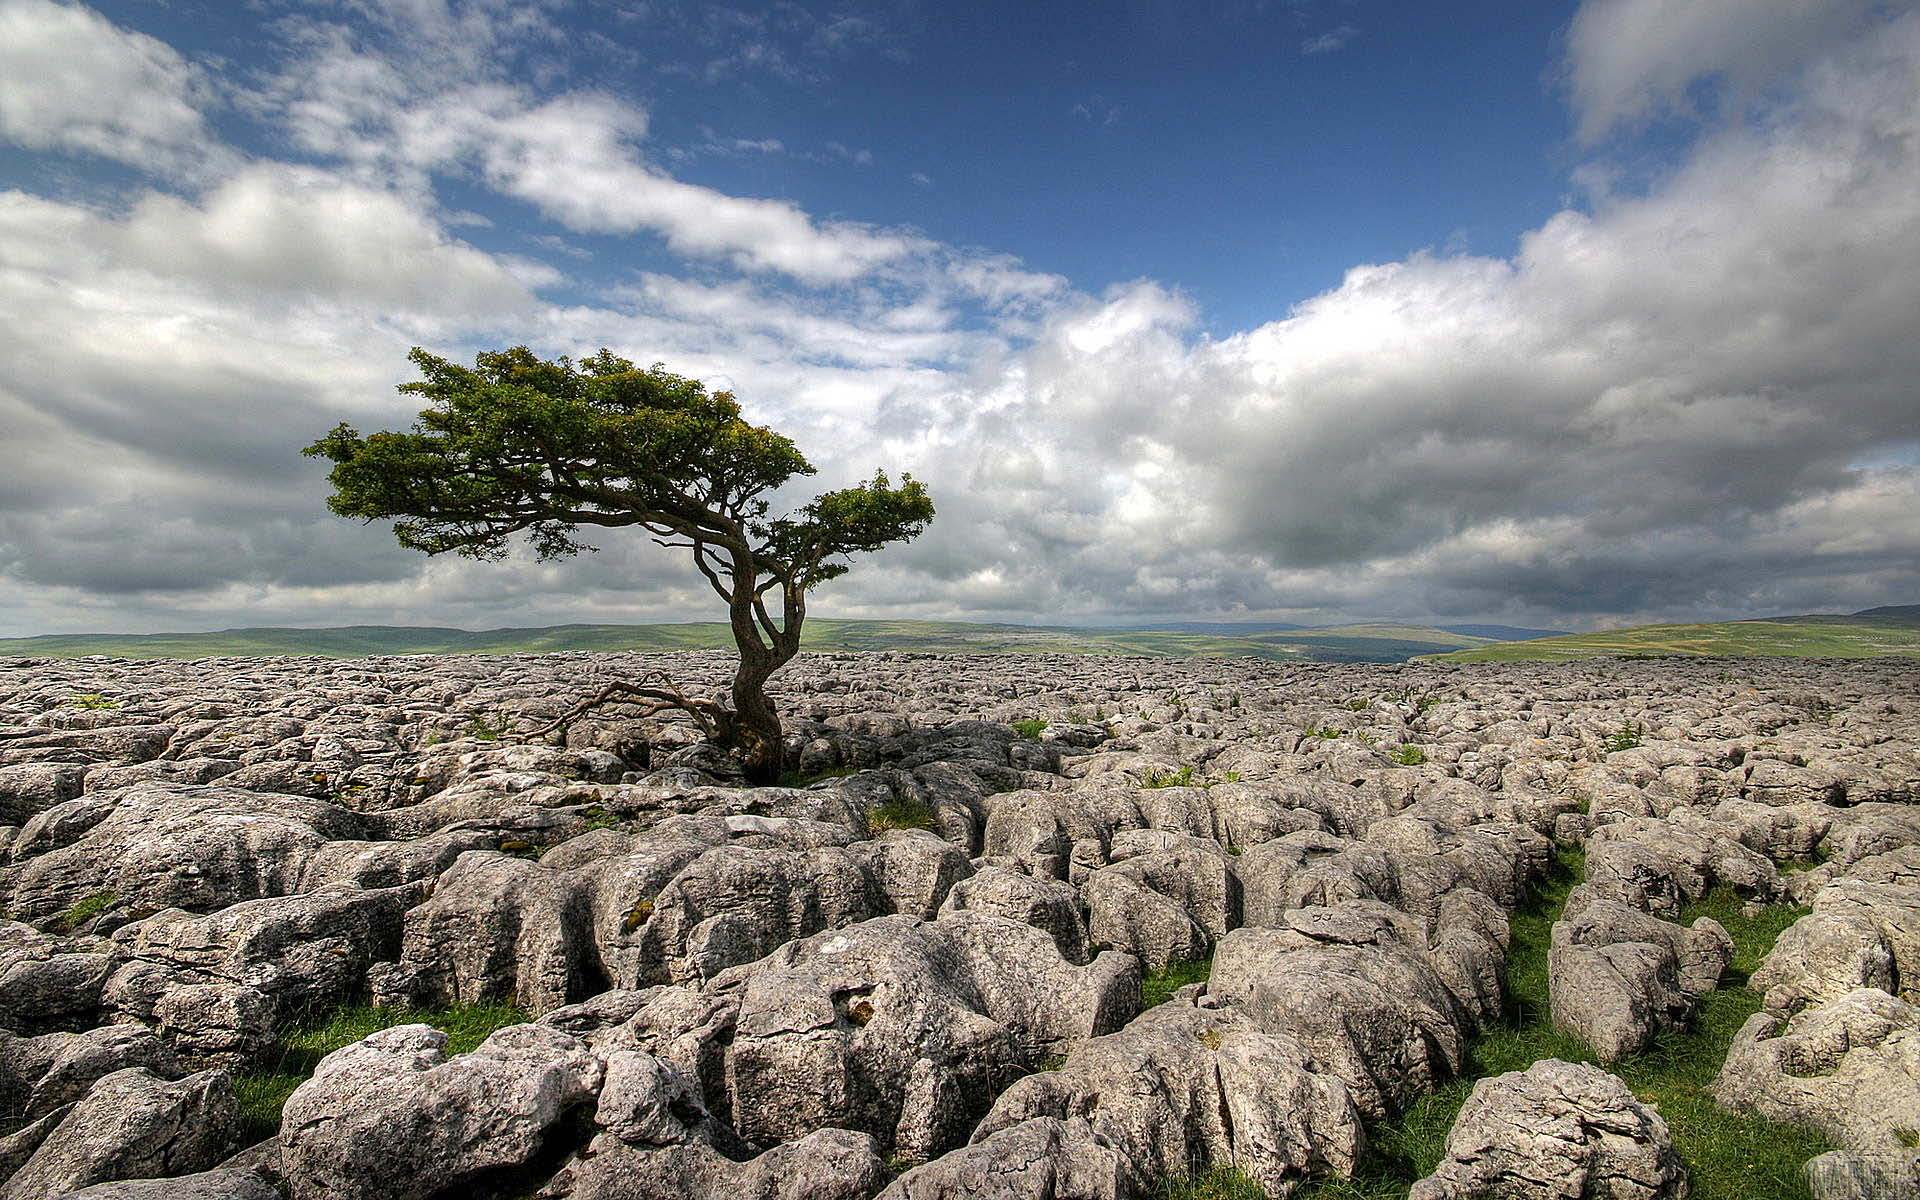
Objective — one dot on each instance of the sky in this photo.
(1563, 314)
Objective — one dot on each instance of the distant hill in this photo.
(1504, 633)
(1278, 641)
(1904, 613)
(1893, 630)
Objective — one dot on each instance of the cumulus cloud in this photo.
(1629, 60)
(71, 80)
(1692, 400)
(575, 156)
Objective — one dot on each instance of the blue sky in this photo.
(1086, 140)
(1570, 313)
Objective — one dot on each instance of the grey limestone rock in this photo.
(393, 1118)
(132, 1124)
(1618, 976)
(1042, 1159)
(821, 1024)
(1849, 1067)
(1556, 1131)
(1184, 1088)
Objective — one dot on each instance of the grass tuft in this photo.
(1030, 728)
(1410, 756)
(1624, 738)
(1215, 1183)
(83, 910)
(901, 814)
(1158, 987)
(1165, 779)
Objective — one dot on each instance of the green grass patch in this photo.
(1030, 728)
(901, 814)
(1782, 637)
(1165, 779)
(1158, 987)
(1410, 756)
(1729, 1156)
(264, 1093)
(83, 910)
(94, 700)
(1216, 1183)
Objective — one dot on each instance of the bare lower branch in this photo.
(714, 720)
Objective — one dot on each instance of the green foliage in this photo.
(94, 700)
(1157, 778)
(1729, 1156)
(517, 444)
(482, 730)
(1030, 728)
(82, 911)
(901, 814)
(1359, 704)
(1409, 756)
(1158, 987)
(597, 817)
(1215, 1183)
(263, 1093)
(1326, 732)
(1624, 738)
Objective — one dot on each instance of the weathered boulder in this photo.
(655, 1140)
(220, 1183)
(40, 1074)
(219, 984)
(497, 929)
(821, 1023)
(1183, 1088)
(391, 1117)
(1862, 933)
(132, 1124)
(1618, 976)
(1041, 1159)
(180, 846)
(1849, 1067)
(1166, 897)
(29, 789)
(49, 983)
(1355, 986)
(1046, 904)
(1556, 1131)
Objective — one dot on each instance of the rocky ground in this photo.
(918, 971)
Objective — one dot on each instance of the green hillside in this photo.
(1348, 643)
(1813, 636)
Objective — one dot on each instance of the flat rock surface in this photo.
(916, 968)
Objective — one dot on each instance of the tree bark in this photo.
(756, 731)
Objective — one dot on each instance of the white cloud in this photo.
(572, 157)
(1333, 39)
(1628, 60)
(71, 80)
(1695, 400)
(294, 229)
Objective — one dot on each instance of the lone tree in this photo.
(518, 444)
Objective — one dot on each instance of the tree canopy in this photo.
(519, 444)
